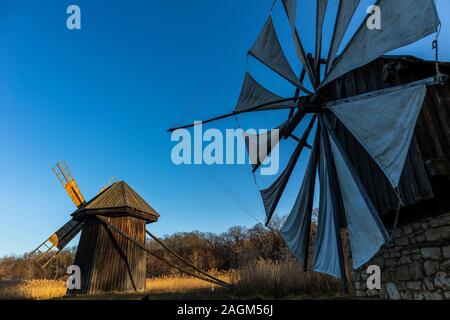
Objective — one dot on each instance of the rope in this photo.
(143, 247)
(436, 42)
(234, 197)
(436, 48)
(184, 260)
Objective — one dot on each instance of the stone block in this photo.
(360, 293)
(420, 238)
(405, 260)
(386, 276)
(429, 284)
(392, 291)
(407, 295)
(407, 229)
(402, 286)
(442, 281)
(431, 253)
(402, 242)
(446, 251)
(416, 271)
(390, 262)
(419, 296)
(430, 267)
(417, 257)
(416, 226)
(432, 296)
(403, 273)
(414, 285)
(445, 266)
(440, 221)
(372, 293)
(436, 234)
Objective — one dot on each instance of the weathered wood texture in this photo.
(119, 199)
(108, 261)
(426, 176)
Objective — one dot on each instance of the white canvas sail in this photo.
(403, 22)
(327, 258)
(267, 49)
(260, 146)
(296, 229)
(253, 95)
(384, 125)
(366, 232)
(272, 195)
(346, 11)
(290, 7)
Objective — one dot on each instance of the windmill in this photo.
(378, 123)
(118, 206)
(112, 250)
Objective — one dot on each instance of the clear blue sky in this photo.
(102, 99)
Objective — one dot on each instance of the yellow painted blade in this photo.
(64, 176)
(74, 193)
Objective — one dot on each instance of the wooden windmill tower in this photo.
(108, 261)
(366, 120)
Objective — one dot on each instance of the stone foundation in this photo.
(415, 266)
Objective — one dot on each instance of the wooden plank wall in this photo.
(108, 261)
(431, 140)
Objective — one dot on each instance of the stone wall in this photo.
(415, 265)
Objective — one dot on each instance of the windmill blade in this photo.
(346, 11)
(50, 248)
(366, 231)
(260, 146)
(272, 195)
(403, 22)
(385, 135)
(296, 229)
(267, 49)
(328, 257)
(290, 7)
(64, 176)
(295, 99)
(253, 94)
(320, 19)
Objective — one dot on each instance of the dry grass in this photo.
(264, 279)
(268, 279)
(33, 290)
(182, 284)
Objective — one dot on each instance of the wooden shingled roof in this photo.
(118, 200)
